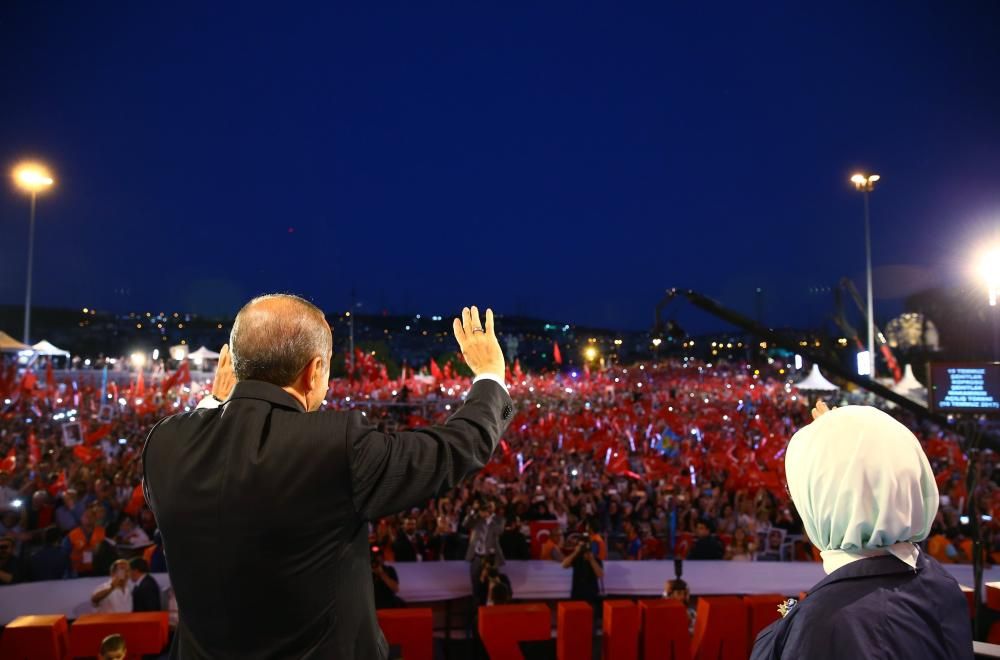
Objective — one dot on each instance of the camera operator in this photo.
(493, 584)
(587, 570)
(385, 582)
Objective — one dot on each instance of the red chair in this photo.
(621, 630)
(36, 637)
(575, 630)
(412, 629)
(664, 630)
(762, 611)
(993, 595)
(720, 630)
(501, 627)
(145, 633)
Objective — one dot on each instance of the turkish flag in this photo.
(136, 502)
(556, 354)
(436, 370)
(97, 434)
(87, 454)
(540, 531)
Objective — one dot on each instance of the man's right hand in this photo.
(479, 343)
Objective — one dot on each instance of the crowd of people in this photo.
(678, 459)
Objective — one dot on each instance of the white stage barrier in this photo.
(530, 580)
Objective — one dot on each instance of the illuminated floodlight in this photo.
(988, 266)
(864, 364)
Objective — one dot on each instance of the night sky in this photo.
(569, 161)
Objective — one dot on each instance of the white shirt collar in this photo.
(905, 552)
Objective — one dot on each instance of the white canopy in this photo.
(45, 348)
(910, 387)
(10, 345)
(816, 382)
(203, 354)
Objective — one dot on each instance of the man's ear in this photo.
(314, 373)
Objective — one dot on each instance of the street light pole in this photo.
(866, 184)
(32, 178)
(868, 274)
(31, 254)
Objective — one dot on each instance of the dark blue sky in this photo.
(568, 161)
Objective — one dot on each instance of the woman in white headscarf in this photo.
(867, 495)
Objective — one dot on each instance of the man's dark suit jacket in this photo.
(146, 595)
(875, 608)
(263, 509)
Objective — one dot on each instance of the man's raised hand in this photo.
(479, 343)
(225, 377)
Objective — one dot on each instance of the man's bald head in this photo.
(275, 336)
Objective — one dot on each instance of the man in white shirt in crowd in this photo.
(115, 595)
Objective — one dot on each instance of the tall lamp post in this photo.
(33, 178)
(866, 184)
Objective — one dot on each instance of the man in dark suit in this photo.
(146, 592)
(263, 503)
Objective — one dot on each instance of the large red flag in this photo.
(556, 354)
(436, 370)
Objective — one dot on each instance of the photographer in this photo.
(494, 586)
(587, 570)
(385, 581)
(484, 527)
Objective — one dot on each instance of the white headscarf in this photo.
(862, 484)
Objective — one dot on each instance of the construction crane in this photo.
(772, 337)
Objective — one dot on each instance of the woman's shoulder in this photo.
(818, 627)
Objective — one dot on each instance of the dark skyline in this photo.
(566, 162)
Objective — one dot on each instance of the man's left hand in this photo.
(225, 377)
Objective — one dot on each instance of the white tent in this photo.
(816, 382)
(45, 348)
(10, 345)
(203, 354)
(910, 387)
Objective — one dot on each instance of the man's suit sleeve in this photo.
(393, 471)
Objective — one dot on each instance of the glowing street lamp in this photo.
(590, 353)
(32, 178)
(989, 269)
(865, 183)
